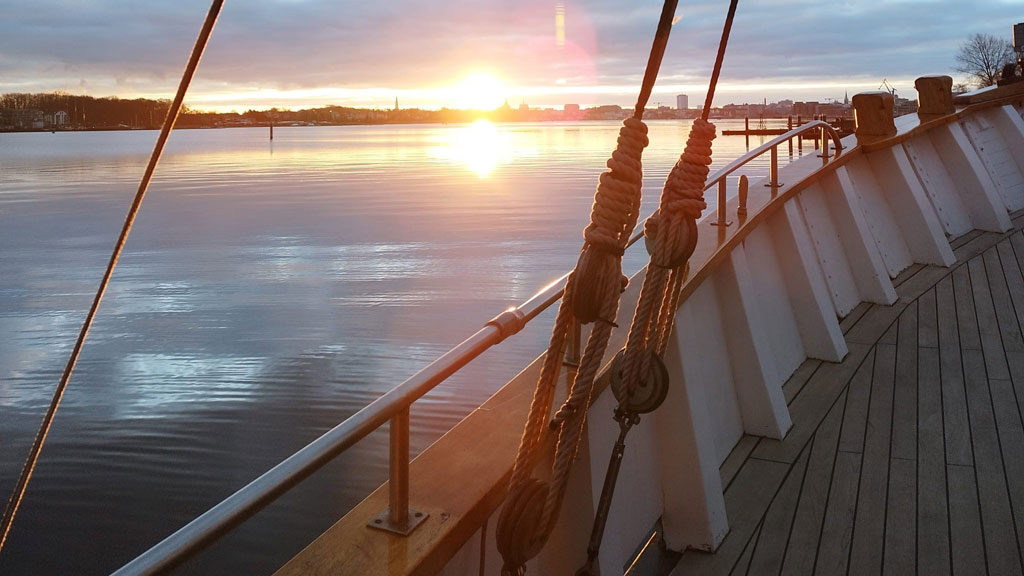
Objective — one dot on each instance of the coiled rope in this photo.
(591, 295)
(58, 393)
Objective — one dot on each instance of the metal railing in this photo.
(393, 407)
(825, 132)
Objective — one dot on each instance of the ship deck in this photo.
(908, 456)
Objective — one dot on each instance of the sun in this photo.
(480, 91)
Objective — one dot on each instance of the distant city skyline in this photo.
(309, 53)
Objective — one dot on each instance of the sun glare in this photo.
(480, 147)
(480, 92)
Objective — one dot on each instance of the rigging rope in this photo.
(591, 295)
(165, 131)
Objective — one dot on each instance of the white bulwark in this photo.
(682, 102)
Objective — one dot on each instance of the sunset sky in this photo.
(465, 53)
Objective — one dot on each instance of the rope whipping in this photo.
(671, 236)
(58, 394)
(591, 295)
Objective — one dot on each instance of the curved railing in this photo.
(825, 132)
(394, 405)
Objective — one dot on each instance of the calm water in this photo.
(268, 291)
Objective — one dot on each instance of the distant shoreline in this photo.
(300, 125)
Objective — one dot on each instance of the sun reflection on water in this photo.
(481, 147)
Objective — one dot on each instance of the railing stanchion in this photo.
(398, 484)
(824, 145)
(721, 221)
(773, 169)
(398, 518)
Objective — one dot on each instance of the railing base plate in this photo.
(383, 522)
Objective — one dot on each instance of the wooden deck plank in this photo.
(799, 379)
(967, 321)
(809, 408)
(932, 512)
(874, 323)
(851, 319)
(964, 239)
(743, 565)
(778, 522)
(968, 549)
(904, 418)
(889, 337)
(907, 274)
(1009, 324)
(855, 418)
(810, 512)
(1011, 443)
(927, 331)
(736, 458)
(869, 528)
(997, 520)
(899, 556)
(833, 548)
(1017, 245)
(1015, 283)
(921, 282)
(988, 325)
(745, 503)
(954, 403)
(977, 245)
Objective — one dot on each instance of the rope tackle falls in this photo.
(639, 379)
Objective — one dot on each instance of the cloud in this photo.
(361, 51)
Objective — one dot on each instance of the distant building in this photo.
(571, 108)
(682, 102)
(60, 118)
(805, 109)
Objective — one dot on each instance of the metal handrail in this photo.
(393, 406)
(720, 177)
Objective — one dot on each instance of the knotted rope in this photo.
(591, 295)
(592, 292)
(671, 235)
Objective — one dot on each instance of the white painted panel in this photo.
(879, 216)
(913, 213)
(755, 373)
(828, 248)
(996, 158)
(971, 181)
(566, 548)
(805, 286)
(1011, 126)
(694, 506)
(772, 300)
(938, 185)
(862, 252)
(638, 503)
(705, 363)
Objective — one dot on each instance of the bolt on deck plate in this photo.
(383, 522)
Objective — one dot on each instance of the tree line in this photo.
(90, 112)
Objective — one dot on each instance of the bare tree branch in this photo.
(982, 57)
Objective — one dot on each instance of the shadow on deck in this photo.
(907, 457)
